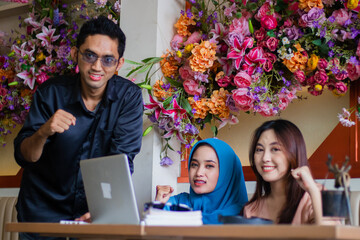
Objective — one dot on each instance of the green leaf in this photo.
(167, 102)
(207, 118)
(317, 42)
(132, 71)
(270, 33)
(215, 2)
(152, 60)
(173, 82)
(214, 129)
(132, 62)
(238, 15)
(186, 105)
(251, 28)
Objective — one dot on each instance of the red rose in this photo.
(268, 22)
(272, 43)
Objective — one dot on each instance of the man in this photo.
(92, 114)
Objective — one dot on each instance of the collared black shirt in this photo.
(52, 189)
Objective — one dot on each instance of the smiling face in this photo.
(94, 76)
(270, 158)
(204, 170)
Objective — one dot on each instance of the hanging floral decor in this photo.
(39, 50)
(234, 56)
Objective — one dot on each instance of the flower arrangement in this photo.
(231, 56)
(40, 50)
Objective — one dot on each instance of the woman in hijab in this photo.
(217, 185)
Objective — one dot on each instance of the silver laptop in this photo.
(109, 190)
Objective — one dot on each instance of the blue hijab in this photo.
(229, 195)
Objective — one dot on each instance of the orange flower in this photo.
(182, 25)
(160, 92)
(203, 56)
(200, 106)
(217, 103)
(169, 65)
(298, 61)
(25, 92)
(306, 5)
(8, 74)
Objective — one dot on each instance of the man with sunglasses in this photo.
(92, 114)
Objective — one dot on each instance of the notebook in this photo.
(109, 190)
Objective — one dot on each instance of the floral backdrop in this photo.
(233, 56)
(40, 49)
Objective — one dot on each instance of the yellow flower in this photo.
(313, 61)
(189, 47)
(318, 87)
(179, 54)
(352, 4)
(40, 57)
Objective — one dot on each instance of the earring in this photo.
(77, 69)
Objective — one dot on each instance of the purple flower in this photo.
(201, 14)
(331, 19)
(292, 33)
(331, 44)
(166, 161)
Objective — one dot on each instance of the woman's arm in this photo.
(306, 181)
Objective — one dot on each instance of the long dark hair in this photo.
(290, 137)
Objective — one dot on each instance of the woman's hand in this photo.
(163, 193)
(307, 182)
(86, 218)
(304, 178)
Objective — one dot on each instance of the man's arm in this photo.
(32, 147)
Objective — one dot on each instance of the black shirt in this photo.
(52, 189)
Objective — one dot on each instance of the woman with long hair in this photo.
(285, 189)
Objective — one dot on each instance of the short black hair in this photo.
(104, 26)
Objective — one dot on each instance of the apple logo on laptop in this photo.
(106, 190)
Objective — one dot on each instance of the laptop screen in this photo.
(109, 190)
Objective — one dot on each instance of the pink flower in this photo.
(47, 36)
(42, 77)
(341, 16)
(268, 66)
(266, 111)
(237, 51)
(322, 64)
(177, 41)
(192, 87)
(358, 50)
(263, 11)
(224, 82)
(341, 87)
(240, 26)
(229, 10)
(195, 37)
(341, 75)
(186, 73)
(256, 55)
(283, 102)
(268, 22)
(312, 91)
(260, 34)
(272, 43)
(243, 98)
(242, 80)
(321, 77)
(353, 71)
(300, 77)
(270, 56)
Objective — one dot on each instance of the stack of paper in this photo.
(159, 217)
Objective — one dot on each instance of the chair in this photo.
(7, 214)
